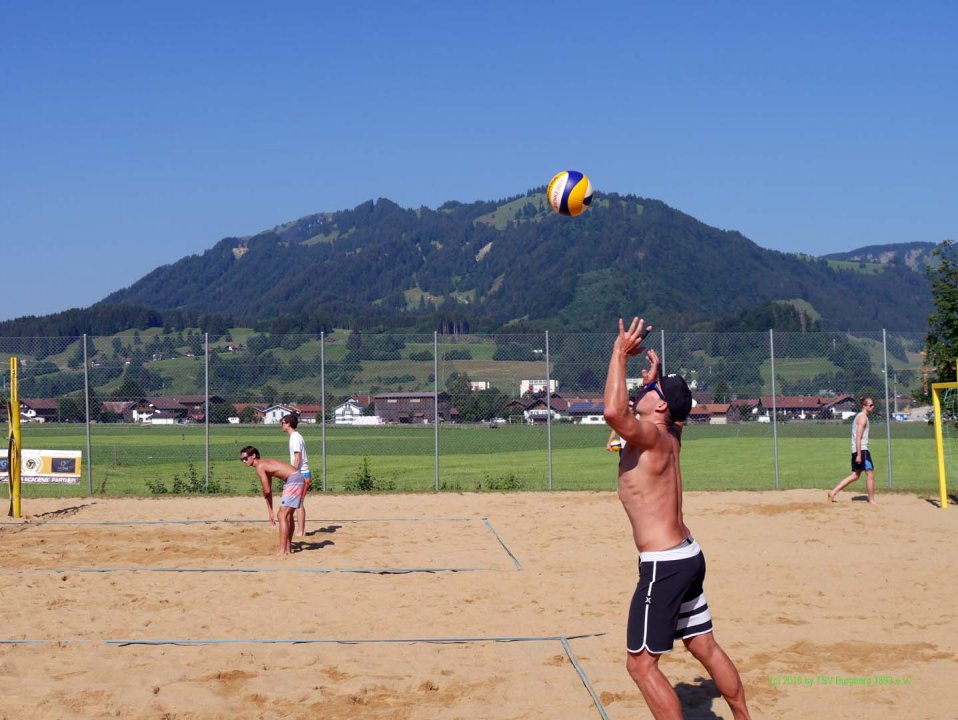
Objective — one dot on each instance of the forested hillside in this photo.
(490, 266)
(916, 255)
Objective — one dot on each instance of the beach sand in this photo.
(179, 607)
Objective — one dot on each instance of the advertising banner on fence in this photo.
(44, 466)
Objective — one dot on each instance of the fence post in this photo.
(435, 402)
(86, 400)
(662, 355)
(771, 350)
(206, 415)
(884, 350)
(548, 412)
(322, 392)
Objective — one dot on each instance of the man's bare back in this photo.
(273, 468)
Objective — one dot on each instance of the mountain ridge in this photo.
(916, 255)
(513, 264)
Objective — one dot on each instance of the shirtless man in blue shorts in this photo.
(294, 489)
(669, 601)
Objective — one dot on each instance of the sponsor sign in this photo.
(44, 466)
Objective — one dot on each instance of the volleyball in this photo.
(569, 193)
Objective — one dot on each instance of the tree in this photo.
(270, 394)
(129, 390)
(144, 377)
(71, 409)
(941, 345)
(75, 361)
(489, 403)
(258, 344)
(355, 341)
(220, 413)
(721, 392)
(109, 416)
(96, 406)
(249, 415)
(459, 388)
(291, 342)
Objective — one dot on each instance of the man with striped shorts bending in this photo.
(294, 490)
(669, 601)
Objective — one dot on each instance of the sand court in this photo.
(839, 611)
(429, 544)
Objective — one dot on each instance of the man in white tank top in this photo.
(298, 459)
(861, 458)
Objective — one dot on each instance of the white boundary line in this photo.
(380, 571)
(563, 639)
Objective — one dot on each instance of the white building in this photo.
(537, 386)
(349, 413)
(275, 413)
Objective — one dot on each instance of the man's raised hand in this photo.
(630, 340)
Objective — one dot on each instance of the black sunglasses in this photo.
(646, 390)
(244, 458)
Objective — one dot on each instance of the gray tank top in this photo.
(864, 434)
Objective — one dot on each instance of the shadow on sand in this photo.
(936, 501)
(63, 512)
(302, 545)
(696, 698)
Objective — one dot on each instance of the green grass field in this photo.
(127, 459)
(185, 375)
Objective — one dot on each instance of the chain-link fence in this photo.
(167, 411)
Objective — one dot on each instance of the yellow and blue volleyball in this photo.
(569, 193)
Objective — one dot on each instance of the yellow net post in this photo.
(13, 442)
(936, 389)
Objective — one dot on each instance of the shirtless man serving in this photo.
(669, 601)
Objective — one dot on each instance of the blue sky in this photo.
(134, 134)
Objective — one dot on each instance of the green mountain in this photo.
(916, 255)
(515, 264)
